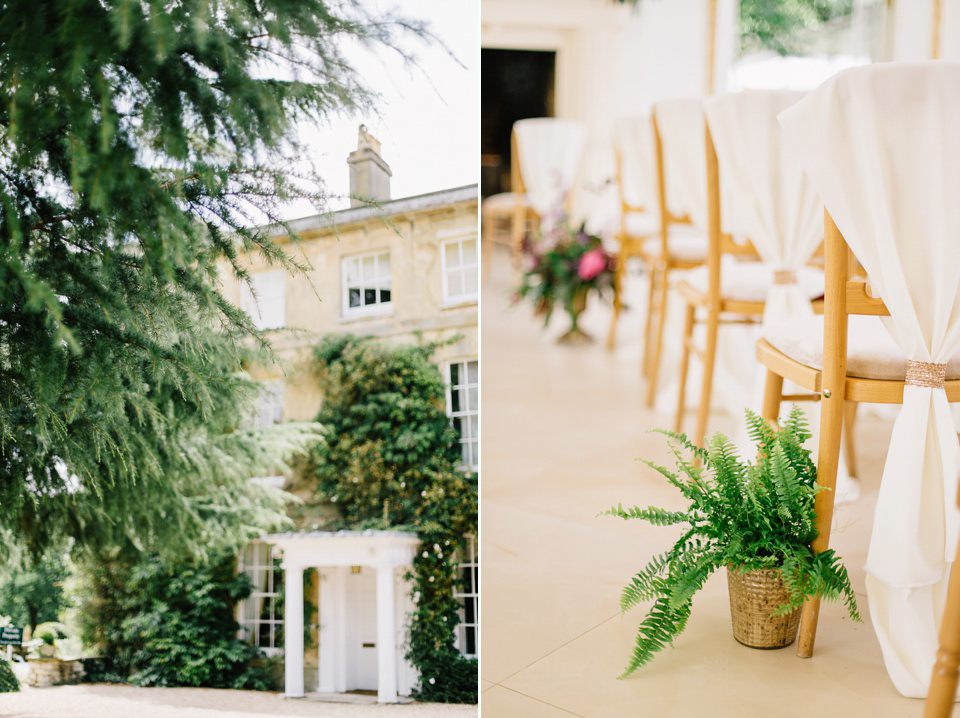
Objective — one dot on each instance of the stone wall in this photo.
(53, 672)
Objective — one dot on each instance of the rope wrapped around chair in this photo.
(925, 374)
(784, 276)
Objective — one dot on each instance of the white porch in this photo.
(362, 601)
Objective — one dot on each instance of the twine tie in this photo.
(925, 374)
(784, 276)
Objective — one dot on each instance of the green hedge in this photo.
(8, 681)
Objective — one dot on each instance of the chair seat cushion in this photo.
(686, 244)
(751, 281)
(504, 202)
(641, 224)
(871, 351)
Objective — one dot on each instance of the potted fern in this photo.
(755, 519)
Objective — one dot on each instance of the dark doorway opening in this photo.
(514, 85)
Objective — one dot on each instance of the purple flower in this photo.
(592, 263)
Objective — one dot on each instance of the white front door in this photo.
(362, 636)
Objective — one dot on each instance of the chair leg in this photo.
(517, 231)
(772, 396)
(849, 420)
(943, 682)
(684, 363)
(618, 273)
(487, 231)
(652, 275)
(653, 374)
(709, 361)
(831, 423)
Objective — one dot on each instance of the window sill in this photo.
(360, 316)
(458, 303)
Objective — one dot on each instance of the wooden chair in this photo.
(682, 245)
(546, 154)
(878, 145)
(638, 223)
(854, 369)
(705, 291)
(943, 684)
(497, 215)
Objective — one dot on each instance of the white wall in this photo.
(913, 29)
(613, 61)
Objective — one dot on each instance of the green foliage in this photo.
(390, 460)
(8, 681)
(162, 622)
(781, 25)
(146, 147)
(742, 515)
(31, 589)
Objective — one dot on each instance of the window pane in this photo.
(452, 254)
(473, 375)
(354, 298)
(384, 296)
(456, 424)
(469, 252)
(473, 401)
(368, 269)
(353, 270)
(454, 284)
(470, 281)
(369, 297)
(264, 637)
(454, 400)
(383, 267)
(471, 641)
(455, 373)
(472, 426)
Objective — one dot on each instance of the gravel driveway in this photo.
(115, 701)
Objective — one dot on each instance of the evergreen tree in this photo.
(31, 591)
(143, 143)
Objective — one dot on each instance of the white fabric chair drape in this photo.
(638, 174)
(881, 145)
(682, 134)
(775, 204)
(550, 151)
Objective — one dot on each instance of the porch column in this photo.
(293, 631)
(386, 637)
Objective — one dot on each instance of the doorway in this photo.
(361, 653)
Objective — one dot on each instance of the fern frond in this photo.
(656, 516)
(643, 586)
(659, 629)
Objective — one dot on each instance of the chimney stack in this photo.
(369, 174)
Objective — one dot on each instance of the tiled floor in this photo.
(561, 429)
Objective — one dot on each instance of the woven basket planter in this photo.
(754, 596)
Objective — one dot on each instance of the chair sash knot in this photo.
(784, 276)
(925, 374)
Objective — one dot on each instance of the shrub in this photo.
(166, 623)
(8, 681)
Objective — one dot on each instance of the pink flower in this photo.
(592, 263)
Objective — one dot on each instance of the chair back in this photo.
(680, 152)
(547, 152)
(636, 165)
(767, 191)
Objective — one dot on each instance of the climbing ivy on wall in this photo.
(390, 459)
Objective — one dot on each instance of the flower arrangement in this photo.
(564, 265)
